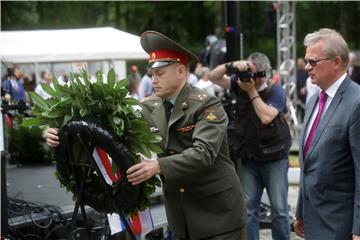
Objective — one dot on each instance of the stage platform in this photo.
(37, 184)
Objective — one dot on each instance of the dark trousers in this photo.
(238, 234)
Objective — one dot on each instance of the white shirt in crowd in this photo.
(207, 86)
(40, 91)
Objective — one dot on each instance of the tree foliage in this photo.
(189, 22)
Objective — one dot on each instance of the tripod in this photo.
(87, 168)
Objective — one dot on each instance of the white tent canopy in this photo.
(69, 45)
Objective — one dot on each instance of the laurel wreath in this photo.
(109, 101)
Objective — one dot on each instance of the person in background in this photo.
(13, 87)
(203, 196)
(46, 78)
(301, 76)
(134, 79)
(192, 78)
(146, 88)
(259, 139)
(311, 89)
(328, 205)
(204, 83)
(353, 69)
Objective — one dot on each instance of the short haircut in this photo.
(334, 44)
(261, 61)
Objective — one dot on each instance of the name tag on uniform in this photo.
(186, 129)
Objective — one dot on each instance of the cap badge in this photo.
(153, 56)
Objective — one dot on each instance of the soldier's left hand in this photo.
(143, 171)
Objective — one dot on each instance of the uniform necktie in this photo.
(167, 106)
(322, 101)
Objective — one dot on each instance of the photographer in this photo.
(259, 139)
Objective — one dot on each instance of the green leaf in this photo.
(122, 84)
(39, 101)
(99, 77)
(131, 101)
(30, 122)
(83, 112)
(85, 76)
(55, 111)
(66, 119)
(49, 90)
(111, 78)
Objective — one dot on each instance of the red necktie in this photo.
(322, 101)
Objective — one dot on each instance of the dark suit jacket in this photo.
(329, 195)
(202, 191)
(355, 75)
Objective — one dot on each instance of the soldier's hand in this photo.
(299, 227)
(51, 137)
(143, 171)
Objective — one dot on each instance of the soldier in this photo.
(203, 196)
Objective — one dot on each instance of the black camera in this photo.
(244, 76)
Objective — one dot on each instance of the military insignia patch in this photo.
(211, 116)
(184, 105)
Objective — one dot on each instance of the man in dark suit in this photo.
(202, 192)
(353, 70)
(329, 194)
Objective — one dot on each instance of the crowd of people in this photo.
(214, 170)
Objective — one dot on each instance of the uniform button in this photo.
(181, 190)
(172, 152)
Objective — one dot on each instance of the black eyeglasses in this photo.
(314, 62)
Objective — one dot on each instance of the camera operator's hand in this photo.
(242, 65)
(51, 137)
(248, 87)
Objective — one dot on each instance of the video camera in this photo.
(244, 76)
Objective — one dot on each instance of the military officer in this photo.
(203, 195)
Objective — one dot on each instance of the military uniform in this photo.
(202, 192)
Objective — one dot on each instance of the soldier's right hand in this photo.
(51, 137)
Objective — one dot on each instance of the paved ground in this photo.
(293, 193)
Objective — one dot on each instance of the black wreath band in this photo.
(71, 165)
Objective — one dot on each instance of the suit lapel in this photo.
(328, 115)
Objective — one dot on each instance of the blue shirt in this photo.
(15, 88)
(276, 97)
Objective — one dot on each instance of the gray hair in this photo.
(261, 61)
(334, 44)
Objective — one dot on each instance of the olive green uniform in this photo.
(203, 195)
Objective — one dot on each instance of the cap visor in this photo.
(159, 64)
